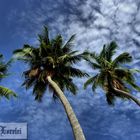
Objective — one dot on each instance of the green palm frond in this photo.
(1, 57)
(110, 50)
(97, 58)
(133, 85)
(72, 59)
(72, 87)
(3, 68)
(44, 37)
(95, 84)
(6, 92)
(50, 60)
(10, 62)
(110, 98)
(74, 72)
(99, 81)
(58, 42)
(28, 83)
(43, 49)
(124, 74)
(68, 83)
(94, 65)
(23, 53)
(134, 70)
(103, 52)
(39, 90)
(90, 81)
(121, 59)
(86, 55)
(3, 76)
(69, 44)
(3, 73)
(127, 76)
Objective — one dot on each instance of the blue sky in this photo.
(95, 23)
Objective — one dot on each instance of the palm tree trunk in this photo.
(121, 92)
(128, 95)
(77, 130)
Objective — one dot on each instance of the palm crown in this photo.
(50, 58)
(112, 72)
(3, 73)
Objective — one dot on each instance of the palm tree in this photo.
(113, 76)
(3, 73)
(51, 66)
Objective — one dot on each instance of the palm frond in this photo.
(73, 72)
(58, 42)
(122, 59)
(110, 98)
(99, 80)
(70, 59)
(3, 68)
(103, 53)
(72, 87)
(50, 60)
(28, 83)
(86, 55)
(127, 76)
(1, 57)
(44, 37)
(90, 81)
(6, 92)
(68, 46)
(134, 70)
(3, 76)
(97, 58)
(69, 85)
(94, 65)
(24, 53)
(110, 50)
(39, 90)
(133, 85)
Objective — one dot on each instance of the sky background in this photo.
(95, 23)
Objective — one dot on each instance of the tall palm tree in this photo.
(51, 66)
(113, 76)
(4, 92)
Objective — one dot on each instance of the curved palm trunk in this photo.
(121, 92)
(77, 130)
(126, 94)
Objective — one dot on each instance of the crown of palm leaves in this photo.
(5, 92)
(53, 58)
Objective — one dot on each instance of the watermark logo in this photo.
(13, 131)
